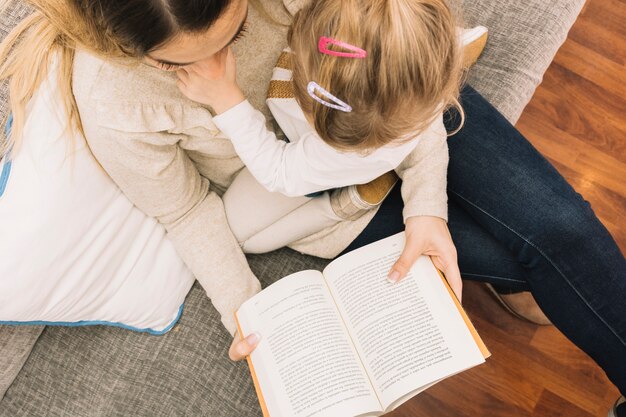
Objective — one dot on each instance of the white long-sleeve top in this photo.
(307, 164)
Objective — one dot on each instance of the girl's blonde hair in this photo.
(411, 74)
(112, 29)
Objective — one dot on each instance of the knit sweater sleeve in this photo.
(157, 175)
(424, 175)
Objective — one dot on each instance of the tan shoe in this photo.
(474, 41)
(522, 305)
(374, 192)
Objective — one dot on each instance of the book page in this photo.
(410, 334)
(305, 363)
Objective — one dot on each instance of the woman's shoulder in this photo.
(133, 97)
(97, 79)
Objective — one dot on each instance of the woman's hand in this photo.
(212, 82)
(240, 348)
(427, 235)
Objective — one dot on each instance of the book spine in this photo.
(255, 380)
(479, 342)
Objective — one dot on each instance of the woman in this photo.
(510, 210)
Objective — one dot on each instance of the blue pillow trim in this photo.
(4, 177)
(97, 323)
(6, 167)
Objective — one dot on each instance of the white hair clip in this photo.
(329, 100)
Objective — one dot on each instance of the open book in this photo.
(346, 342)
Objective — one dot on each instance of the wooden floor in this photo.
(577, 118)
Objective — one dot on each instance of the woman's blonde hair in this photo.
(112, 29)
(411, 74)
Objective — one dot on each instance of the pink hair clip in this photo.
(331, 101)
(325, 42)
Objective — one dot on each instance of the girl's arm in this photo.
(294, 168)
(161, 180)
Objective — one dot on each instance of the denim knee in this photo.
(569, 227)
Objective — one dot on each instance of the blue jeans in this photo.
(518, 224)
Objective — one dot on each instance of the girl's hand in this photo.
(239, 349)
(427, 235)
(212, 82)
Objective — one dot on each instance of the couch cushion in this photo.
(524, 36)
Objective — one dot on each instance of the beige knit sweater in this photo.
(171, 161)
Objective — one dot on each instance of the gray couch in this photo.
(100, 371)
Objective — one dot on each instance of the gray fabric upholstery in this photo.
(102, 371)
(524, 36)
(16, 344)
(111, 372)
(14, 13)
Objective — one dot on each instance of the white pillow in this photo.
(73, 249)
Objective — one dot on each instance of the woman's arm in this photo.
(424, 174)
(160, 179)
(425, 213)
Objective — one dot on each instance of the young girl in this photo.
(370, 82)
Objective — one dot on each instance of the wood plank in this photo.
(598, 37)
(551, 405)
(608, 13)
(584, 110)
(596, 68)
